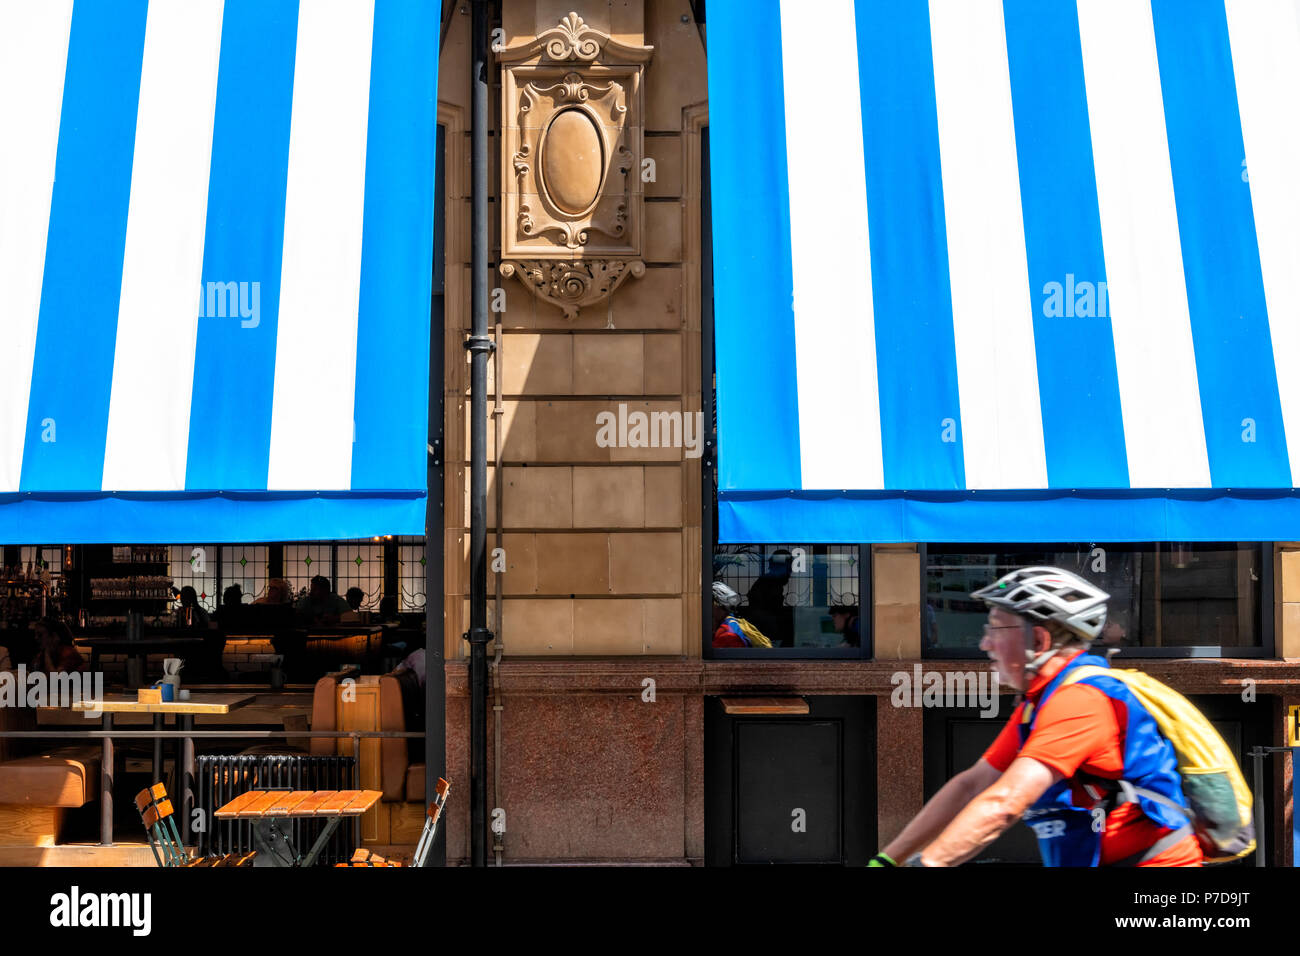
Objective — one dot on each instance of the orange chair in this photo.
(364, 857)
(160, 828)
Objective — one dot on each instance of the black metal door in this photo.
(791, 789)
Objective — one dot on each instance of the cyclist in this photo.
(1083, 764)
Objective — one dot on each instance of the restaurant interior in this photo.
(240, 657)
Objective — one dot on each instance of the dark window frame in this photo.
(1265, 649)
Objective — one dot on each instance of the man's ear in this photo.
(1042, 640)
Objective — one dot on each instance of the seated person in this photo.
(197, 617)
(55, 651)
(728, 629)
(321, 605)
(277, 592)
(232, 595)
(354, 597)
(414, 661)
(845, 619)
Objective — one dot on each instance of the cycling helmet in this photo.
(1050, 594)
(725, 596)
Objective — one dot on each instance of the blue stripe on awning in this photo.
(1037, 516)
(234, 365)
(151, 518)
(1083, 426)
(920, 415)
(758, 420)
(1225, 289)
(72, 374)
(392, 406)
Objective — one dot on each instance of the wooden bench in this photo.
(37, 789)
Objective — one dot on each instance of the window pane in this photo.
(302, 562)
(245, 565)
(1161, 595)
(795, 595)
(410, 573)
(195, 565)
(362, 566)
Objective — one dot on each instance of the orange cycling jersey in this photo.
(1079, 731)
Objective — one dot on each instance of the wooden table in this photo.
(184, 710)
(266, 807)
(141, 647)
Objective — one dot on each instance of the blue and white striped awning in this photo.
(216, 235)
(1007, 270)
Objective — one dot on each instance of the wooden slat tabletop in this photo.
(287, 805)
(362, 803)
(312, 803)
(197, 704)
(232, 808)
(298, 803)
(258, 807)
(336, 803)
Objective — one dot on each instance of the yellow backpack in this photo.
(1216, 791)
(752, 634)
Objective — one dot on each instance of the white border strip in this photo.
(992, 310)
(1265, 39)
(162, 264)
(316, 343)
(1159, 395)
(33, 64)
(834, 317)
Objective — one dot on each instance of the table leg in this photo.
(186, 776)
(106, 786)
(159, 721)
(321, 841)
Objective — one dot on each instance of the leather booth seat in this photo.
(324, 716)
(401, 770)
(67, 777)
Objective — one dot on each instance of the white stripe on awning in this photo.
(316, 346)
(1163, 429)
(992, 316)
(835, 341)
(1265, 38)
(157, 322)
(33, 58)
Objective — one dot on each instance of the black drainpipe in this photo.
(479, 345)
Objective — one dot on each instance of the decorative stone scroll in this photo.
(572, 285)
(571, 209)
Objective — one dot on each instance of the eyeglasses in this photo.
(1001, 627)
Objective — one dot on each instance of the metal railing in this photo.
(1257, 755)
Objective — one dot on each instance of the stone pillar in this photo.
(896, 599)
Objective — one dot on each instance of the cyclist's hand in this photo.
(882, 859)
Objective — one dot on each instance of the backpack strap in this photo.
(1155, 849)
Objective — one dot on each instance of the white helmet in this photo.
(1050, 594)
(725, 596)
